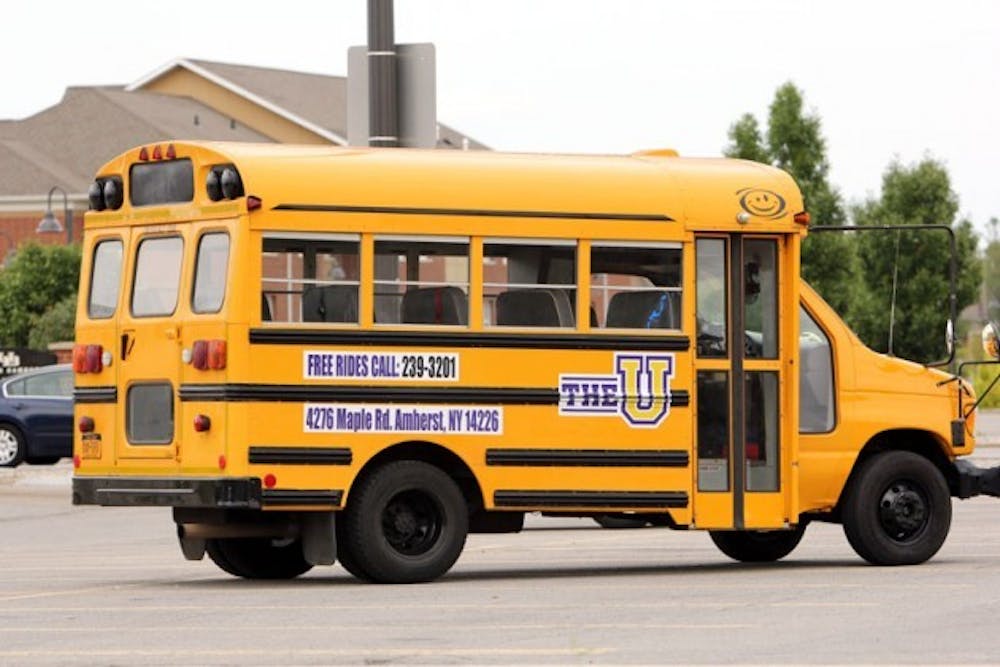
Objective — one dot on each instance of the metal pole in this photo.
(383, 116)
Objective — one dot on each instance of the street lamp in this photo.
(50, 224)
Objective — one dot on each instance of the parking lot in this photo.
(89, 585)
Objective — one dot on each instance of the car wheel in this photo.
(43, 460)
(897, 510)
(11, 446)
(406, 522)
(259, 558)
(757, 546)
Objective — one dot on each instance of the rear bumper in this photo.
(227, 492)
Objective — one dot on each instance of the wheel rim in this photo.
(904, 511)
(8, 446)
(411, 522)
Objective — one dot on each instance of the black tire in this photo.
(12, 446)
(259, 557)
(43, 460)
(897, 510)
(757, 546)
(616, 521)
(405, 522)
(345, 556)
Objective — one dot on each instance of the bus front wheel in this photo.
(897, 510)
(757, 546)
(259, 558)
(406, 522)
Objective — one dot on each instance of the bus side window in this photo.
(635, 287)
(529, 284)
(422, 282)
(310, 279)
(816, 396)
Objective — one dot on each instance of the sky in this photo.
(891, 80)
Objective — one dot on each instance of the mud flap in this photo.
(319, 539)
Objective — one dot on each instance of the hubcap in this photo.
(903, 511)
(8, 446)
(411, 523)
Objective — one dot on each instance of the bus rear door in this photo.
(149, 339)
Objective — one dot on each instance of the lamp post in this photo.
(49, 224)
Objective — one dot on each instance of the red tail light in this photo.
(217, 354)
(87, 358)
(202, 423)
(86, 424)
(208, 354)
(199, 355)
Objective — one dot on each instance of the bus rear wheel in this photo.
(897, 510)
(757, 546)
(406, 522)
(259, 558)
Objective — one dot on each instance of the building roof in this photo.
(65, 144)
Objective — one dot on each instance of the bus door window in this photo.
(310, 279)
(760, 298)
(760, 393)
(421, 282)
(714, 423)
(530, 284)
(210, 274)
(157, 276)
(635, 287)
(105, 279)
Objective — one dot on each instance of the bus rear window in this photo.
(210, 275)
(157, 276)
(161, 182)
(105, 279)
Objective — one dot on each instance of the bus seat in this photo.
(265, 308)
(644, 309)
(330, 303)
(535, 308)
(435, 305)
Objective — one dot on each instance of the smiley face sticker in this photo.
(762, 203)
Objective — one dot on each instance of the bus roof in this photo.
(700, 192)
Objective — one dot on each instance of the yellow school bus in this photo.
(319, 355)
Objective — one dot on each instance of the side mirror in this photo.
(991, 340)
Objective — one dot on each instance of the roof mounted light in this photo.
(213, 184)
(232, 185)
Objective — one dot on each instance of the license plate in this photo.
(91, 446)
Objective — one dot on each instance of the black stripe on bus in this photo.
(286, 497)
(336, 456)
(648, 499)
(95, 394)
(474, 212)
(625, 458)
(533, 341)
(362, 394)
(292, 393)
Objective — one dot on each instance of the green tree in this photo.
(32, 282)
(55, 324)
(794, 142)
(906, 271)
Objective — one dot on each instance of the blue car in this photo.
(36, 416)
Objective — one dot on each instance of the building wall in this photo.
(183, 82)
(18, 228)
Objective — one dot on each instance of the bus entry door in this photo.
(742, 429)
